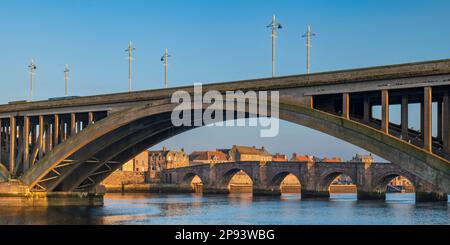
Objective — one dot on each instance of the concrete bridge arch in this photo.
(131, 123)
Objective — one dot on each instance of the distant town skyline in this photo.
(211, 41)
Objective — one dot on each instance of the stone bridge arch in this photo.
(321, 176)
(325, 179)
(277, 179)
(274, 173)
(381, 180)
(96, 137)
(224, 172)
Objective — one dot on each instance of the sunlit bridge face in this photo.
(290, 185)
(240, 183)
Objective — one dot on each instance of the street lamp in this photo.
(165, 60)
(308, 36)
(130, 50)
(32, 70)
(66, 78)
(274, 25)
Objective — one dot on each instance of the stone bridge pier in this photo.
(371, 179)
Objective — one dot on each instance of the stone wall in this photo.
(125, 177)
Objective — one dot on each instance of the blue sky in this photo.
(210, 41)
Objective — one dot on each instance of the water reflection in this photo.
(235, 209)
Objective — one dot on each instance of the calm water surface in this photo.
(235, 209)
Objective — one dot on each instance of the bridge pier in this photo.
(14, 193)
(266, 192)
(427, 120)
(315, 194)
(371, 195)
(431, 197)
(446, 121)
(404, 117)
(209, 190)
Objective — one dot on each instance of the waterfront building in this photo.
(279, 158)
(166, 159)
(331, 160)
(362, 158)
(302, 158)
(207, 157)
(132, 172)
(139, 163)
(401, 181)
(249, 154)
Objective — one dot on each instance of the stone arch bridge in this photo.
(71, 144)
(371, 179)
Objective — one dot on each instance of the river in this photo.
(235, 209)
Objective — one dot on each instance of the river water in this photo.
(235, 209)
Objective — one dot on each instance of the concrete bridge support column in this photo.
(41, 136)
(346, 106)
(385, 111)
(446, 122)
(12, 144)
(366, 108)
(427, 134)
(309, 101)
(404, 117)
(73, 124)
(439, 120)
(422, 116)
(26, 142)
(90, 118)
(1, 139)
(56, 130)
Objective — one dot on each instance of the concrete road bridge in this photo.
(371, 179)
(69, 145)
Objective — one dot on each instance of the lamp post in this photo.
(308, 36)
(32, 70)
(66, 78)
(130, 50)
(274, 25)
(165, 60)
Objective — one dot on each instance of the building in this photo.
(166, 159)
(302, 158)
(331, 160)
(132, 172)
(139, 163)
(362, 158)
(401, 181)
(207, 157)
(279, 158)
(249, 154)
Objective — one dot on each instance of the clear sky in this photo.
(210, 41)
